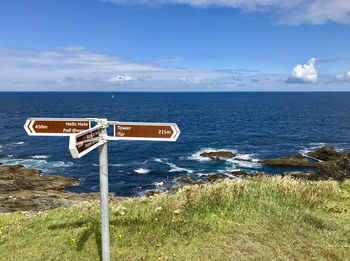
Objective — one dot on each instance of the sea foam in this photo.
(142, 171)
(40, 156)
(41, 164)
(174, 168)
(196, 156)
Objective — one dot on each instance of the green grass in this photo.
(255, 219)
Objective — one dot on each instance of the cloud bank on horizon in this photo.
(76, 68)
(288, 12)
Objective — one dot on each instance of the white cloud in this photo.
(292, 12)
(305, 73)
(120, 78)
(76, 68)
(343, 76)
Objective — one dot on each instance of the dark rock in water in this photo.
(240, 173)
(153, 192)
(167, 187)
(217, 155)
(185, 180)
(325, 153)
(23, 189)
(293, 160)
(213, 177)
(189, 181)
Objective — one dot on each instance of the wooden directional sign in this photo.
(55, 126)
(145, 131)
(85, 141)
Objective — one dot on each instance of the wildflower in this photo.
(97, 210)
(177, 211)
(174, 254)
(120, 236)
(120, 252)
(173, 220)
(120, 209)
(25, 228)
(155, 219)
(237, 224)
(66, 218)
(158, 209)
(2, 228)
(73, 240)
(84, 227)
(81, 216)
(158, 245)
(222, 213)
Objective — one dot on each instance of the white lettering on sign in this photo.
(83, 124)
(71, 124)
(121, 134)
(164, 132)
(40, 126)
(124, 128)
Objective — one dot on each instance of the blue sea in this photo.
(254, 126)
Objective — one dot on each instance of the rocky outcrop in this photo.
(338, 170)
(327, 154)
(151, 193)
(293, 160)
(24, 189)
(217, 155)
(213, 177)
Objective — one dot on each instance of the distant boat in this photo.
(112, 96)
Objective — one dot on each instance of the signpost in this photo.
(83, 139)
(145, 131)
(55, 126)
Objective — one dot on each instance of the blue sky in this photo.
(175, 45)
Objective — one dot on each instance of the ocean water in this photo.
(254, 126)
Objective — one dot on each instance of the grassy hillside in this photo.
(255, 219)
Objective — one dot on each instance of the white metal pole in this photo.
(103, 155)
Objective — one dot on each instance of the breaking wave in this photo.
(142, 171)
(196, 156)
(40, 164)
(40, 156)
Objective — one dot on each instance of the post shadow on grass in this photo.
(92, 229)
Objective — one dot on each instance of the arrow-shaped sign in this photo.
(85, 141)
(55, 126)
(145, 131)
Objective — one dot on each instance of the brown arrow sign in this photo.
(145, 131)
(85, 141)
(55, 126)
